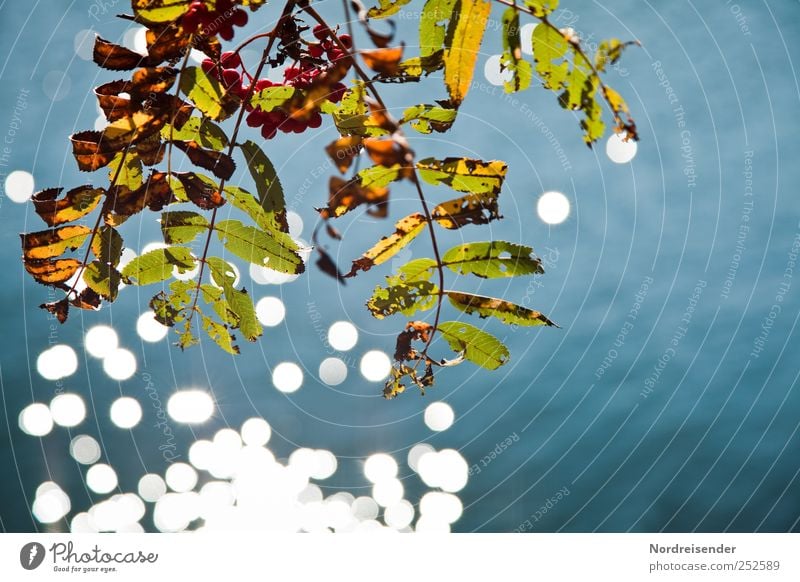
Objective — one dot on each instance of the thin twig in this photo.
(414, 177)
(273, 34)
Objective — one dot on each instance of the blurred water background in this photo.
(668, 399)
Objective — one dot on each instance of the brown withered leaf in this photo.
(414, 331)
(166, 43)
(345, 195)
(343, 151)
(117, 58)
(90, 152)
(148, 81)
(76, 203)
(151, 150)
(52, 271)
(327, 265)
(406, 230)
(114, 107)
(154, 194)
(469, 209)
(383, 60)
(219, 163)
(47, 244)
(58, 308)
(332, 232)
(199, 192)
(86, 299)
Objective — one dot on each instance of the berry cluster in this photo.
(220, 21)
(301, 76)
(227, 72)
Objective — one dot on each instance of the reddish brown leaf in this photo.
(199, 192)
(154, 194)
(219, 163)
(166, 43)
(414, 331)
(152, 80)
(387, 152)
(116, 58)
(345, 195)
(58, 308)
(343, 151)
(90, 153)
(50, 243)
(114, 107)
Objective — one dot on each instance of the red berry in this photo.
(231, 77)
(320, 31)
(230, 60)
(191, 21)
(337, 92)
(315, 120)
(262, 84)
(239, 17)
(290, 73)
(207, 65)
(255, 118)
(346, 40)
(315, 50)
(268, 131)
(226, 31)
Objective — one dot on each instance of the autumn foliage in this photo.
(164, 107)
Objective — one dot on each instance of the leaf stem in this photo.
(414, 177)
(273, 34)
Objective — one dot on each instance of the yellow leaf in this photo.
(461, 54)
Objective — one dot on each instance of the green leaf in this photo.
(478, 347)
(103, 279)
(505, 311)
(464, 174)
(379, 176)
(541, 8)
(272, 97)
(107, 245)
(428, 118)
(258, 247)
(406, 230)
(386, 8)
(407, 298)
(511, 59)
(130, 176)
(169, 309)
(268, 186)
(549, 49)
(432, 33)
(219, 334)
(461, 51)
(157, 265)
(352, 115)
(238, 301)
(205, 132)
(492, 260)
(180, 226)
(409, 291)
(208, 94)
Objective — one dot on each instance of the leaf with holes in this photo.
(157, 265)
(208, 94)
(505, 311)
(462, 46)
(464, 174)
(476, 345)
(492, 260)
(47, 244)
(469, 209)
(406, 230)
(180, 226)
(258, 247)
